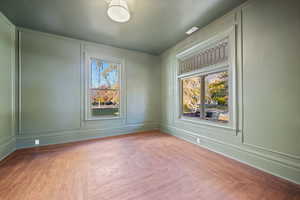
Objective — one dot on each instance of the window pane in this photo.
(104, 91)
(104, 102)
(216, 97)
(104, 74)
(191, 90)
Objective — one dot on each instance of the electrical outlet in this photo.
(198, 140)
(37, 142)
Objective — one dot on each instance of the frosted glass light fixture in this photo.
(118, 11)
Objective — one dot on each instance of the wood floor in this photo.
(145, 166)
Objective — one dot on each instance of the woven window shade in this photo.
(215, 54)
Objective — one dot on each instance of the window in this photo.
(103, 89)
(206, 97)
(205, 80)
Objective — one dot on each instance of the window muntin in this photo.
(104, 88)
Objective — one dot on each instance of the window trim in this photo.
(87, 72)
(229, 65)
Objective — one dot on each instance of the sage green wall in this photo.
(272, 73)
(50, 84)
(52, 94)
(7, 78)
(268, 86)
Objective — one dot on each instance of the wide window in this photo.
(206, 82)
(206, 97)
(103, 89)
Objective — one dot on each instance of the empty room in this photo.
(149, 100)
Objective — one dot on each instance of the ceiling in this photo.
(155, 25)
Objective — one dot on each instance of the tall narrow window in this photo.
(104, 88)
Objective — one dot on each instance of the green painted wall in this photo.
(51, 106)
(272, 73)
(7, 78)
(52, 94)
(268, 80)
(50, 83)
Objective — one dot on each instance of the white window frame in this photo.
(87, 71)
(229, 66)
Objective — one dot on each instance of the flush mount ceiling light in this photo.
(118, 11)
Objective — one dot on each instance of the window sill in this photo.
(208, 123)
